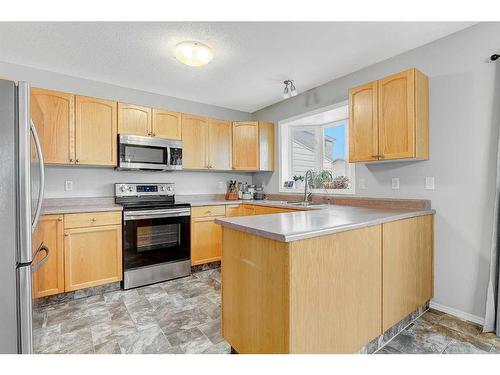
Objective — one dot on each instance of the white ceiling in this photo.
(251, 59)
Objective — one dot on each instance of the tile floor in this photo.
(183, 316)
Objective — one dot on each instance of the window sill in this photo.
(320, 191)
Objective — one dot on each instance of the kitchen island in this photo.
(323, 281)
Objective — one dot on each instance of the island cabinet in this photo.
(389, 118)
(327, 294)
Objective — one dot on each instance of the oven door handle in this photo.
(154, 214)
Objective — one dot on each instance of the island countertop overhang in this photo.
(294, 226)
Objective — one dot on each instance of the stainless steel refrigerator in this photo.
(21, 195)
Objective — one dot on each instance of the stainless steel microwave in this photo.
(148, 153)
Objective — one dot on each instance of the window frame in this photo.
(285, 143)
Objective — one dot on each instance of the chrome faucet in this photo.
(306, 183)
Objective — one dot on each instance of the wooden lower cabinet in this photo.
(205, 240)
(93, 256)
(85, 250)
(262, 210)
(328, 294)
(49, 279)
(408, 267)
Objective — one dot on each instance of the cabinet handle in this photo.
(71, 160)
(59, 219)
(149, 133)
(93, 219)
(66, 234)
(154, 134)
(77, 160)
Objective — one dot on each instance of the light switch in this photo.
(395, 183)
(362, 183)
(68, 185)
(429, 183)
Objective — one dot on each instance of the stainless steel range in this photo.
(156, 234)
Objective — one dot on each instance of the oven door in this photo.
(155, 236)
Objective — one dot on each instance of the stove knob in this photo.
(169, 188)
(130, 188)
(123, 188)
(162, 188)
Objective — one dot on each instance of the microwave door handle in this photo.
(42, 176)
(168, 155)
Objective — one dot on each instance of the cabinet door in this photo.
(166, 124)
(54, 118)
(396, 114)
(95, 131)
(134, 119)
(206, 240)
(266, 146)
(49, 279)
(219, 144)
(93, 256)
(247, 210)
(233, 210)
(363, 123)
(407, 267)
(246, 145)
(194, 142)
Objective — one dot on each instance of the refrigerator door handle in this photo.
(42, 176)
(45, 249)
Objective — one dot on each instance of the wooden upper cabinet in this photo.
(134, 119)
(246, 145)
(194, 142)
(54, 116)
(397, 116)
(266, 146)
(166, 124)
(219, 144)
(49, 279)
(363, 123)
(95, 131)
(389, 118)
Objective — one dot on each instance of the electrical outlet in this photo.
(429, 183)
(68, 185)
(362, 183)
(395, 183)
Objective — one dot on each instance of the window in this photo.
(317, 142)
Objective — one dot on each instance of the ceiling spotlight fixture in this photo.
(193, 53)
(290, 89)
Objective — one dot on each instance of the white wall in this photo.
(92, 182)
(99, 181)
(464, 121)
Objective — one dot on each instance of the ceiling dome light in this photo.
(193, 53)
(290, 89)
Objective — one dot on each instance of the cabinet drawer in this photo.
(92, 219)
(208, 211)
(233, 210)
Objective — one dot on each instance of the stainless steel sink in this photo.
(303, 204)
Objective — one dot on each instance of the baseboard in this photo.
(457, 313)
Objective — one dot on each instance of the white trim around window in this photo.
(319, 119)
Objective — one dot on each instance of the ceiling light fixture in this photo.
(290, 89)
(193, 53)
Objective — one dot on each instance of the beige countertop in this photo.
(325, 219)
(58, 206)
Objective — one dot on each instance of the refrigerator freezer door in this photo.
(25, 315)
